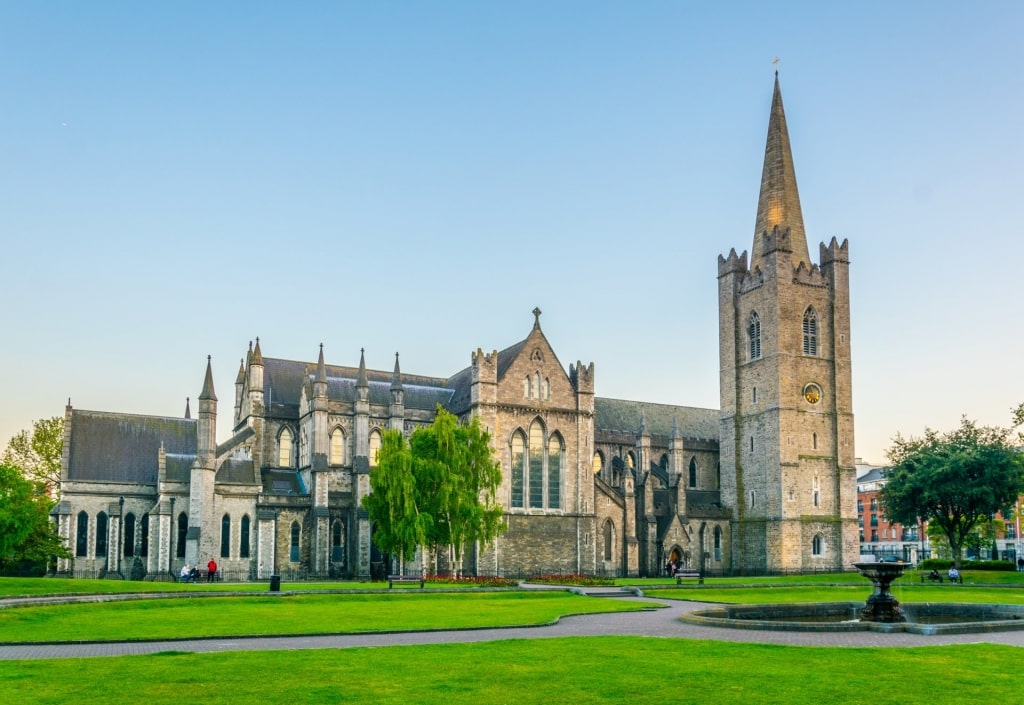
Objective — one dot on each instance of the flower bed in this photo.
(575, 579)
(472, 580)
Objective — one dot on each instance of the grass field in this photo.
(594, 670)
(293, 614)
(633, 670)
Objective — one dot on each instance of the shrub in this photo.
(945, 564)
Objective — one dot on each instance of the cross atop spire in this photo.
(779, 202)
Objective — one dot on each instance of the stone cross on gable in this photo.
(536, 317)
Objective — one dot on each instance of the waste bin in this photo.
(275, 583)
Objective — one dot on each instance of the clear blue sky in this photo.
(179, 178)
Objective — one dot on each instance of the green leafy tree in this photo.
(437, 490)
(26, 533)
(38, 453)
(398, 525)
(956, 481)
(458, 478)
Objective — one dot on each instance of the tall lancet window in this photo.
(810, 332)
(754, 331)
(284, 449)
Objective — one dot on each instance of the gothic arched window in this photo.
(608, 534)
(182, 535)
(284, 449)
(554, 472)
(718, 543)
(225, 536)
(810, 332)
(693, 472)
(82, 536)
(375, 440)
(518, 469)
(818, 545)
(535, 478)
(598, 462)
(101, 534)
(293, 554)
(243, 538)
(337, 452)
(129, 535)
(144, 526)
(754, 332)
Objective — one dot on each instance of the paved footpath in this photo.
(661, 623)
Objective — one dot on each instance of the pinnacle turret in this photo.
(321, 369)
(779, 202)
(208, 393)
(188, 410)
(396, 377)
(257, 356)
(240, 379)
(361, 380)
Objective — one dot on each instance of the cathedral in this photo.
(591, 485)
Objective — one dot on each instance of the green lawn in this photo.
(838, 593)
(294, 614)
(633, 670)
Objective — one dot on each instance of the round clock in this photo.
(812, 393)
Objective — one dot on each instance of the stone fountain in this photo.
(882, 606)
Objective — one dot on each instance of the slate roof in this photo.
(618, 415)
(113, 447)
(237, 471)
(283, 381)
(179, 467)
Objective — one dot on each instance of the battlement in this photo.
(834, 252)
(485, 365)
(776, 241)
(734, 264)
(582, 378)
(809, 274)
(751, 280)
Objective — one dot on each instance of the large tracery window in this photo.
(536, 471)
(810, 332)
(754, 332)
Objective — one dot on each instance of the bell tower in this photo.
(786, 430)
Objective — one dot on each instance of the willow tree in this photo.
(955, 481)
(457, 478)
(399, 526)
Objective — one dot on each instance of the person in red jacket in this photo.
(211, 570)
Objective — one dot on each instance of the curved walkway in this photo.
(658, 623)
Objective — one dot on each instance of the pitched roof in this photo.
(619, 415)
(283, 381)
(112, 447)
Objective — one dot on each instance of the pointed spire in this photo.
(257, 356)
(779, 202)
(361, 378)
(321, 368)
(240, 379)
(396, 377)
(536, 318)
(208, 392)
(188, 410)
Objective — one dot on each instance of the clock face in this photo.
(812, 393)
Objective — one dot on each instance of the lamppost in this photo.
(120, 533)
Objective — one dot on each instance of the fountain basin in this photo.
(922, 618)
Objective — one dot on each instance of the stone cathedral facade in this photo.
(589, 484)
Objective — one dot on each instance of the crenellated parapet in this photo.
(751, 280)
(778, 240)
(733, 264)
(834, 252)
(582, 378)
(485, 366)
(809, 274)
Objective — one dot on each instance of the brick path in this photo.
(662, 623)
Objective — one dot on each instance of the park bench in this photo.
(925, 577)
(392, 579)
(686, 574)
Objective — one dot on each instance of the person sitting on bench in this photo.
(934, 575)
(954, 574)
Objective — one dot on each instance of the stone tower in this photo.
(787, 454)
